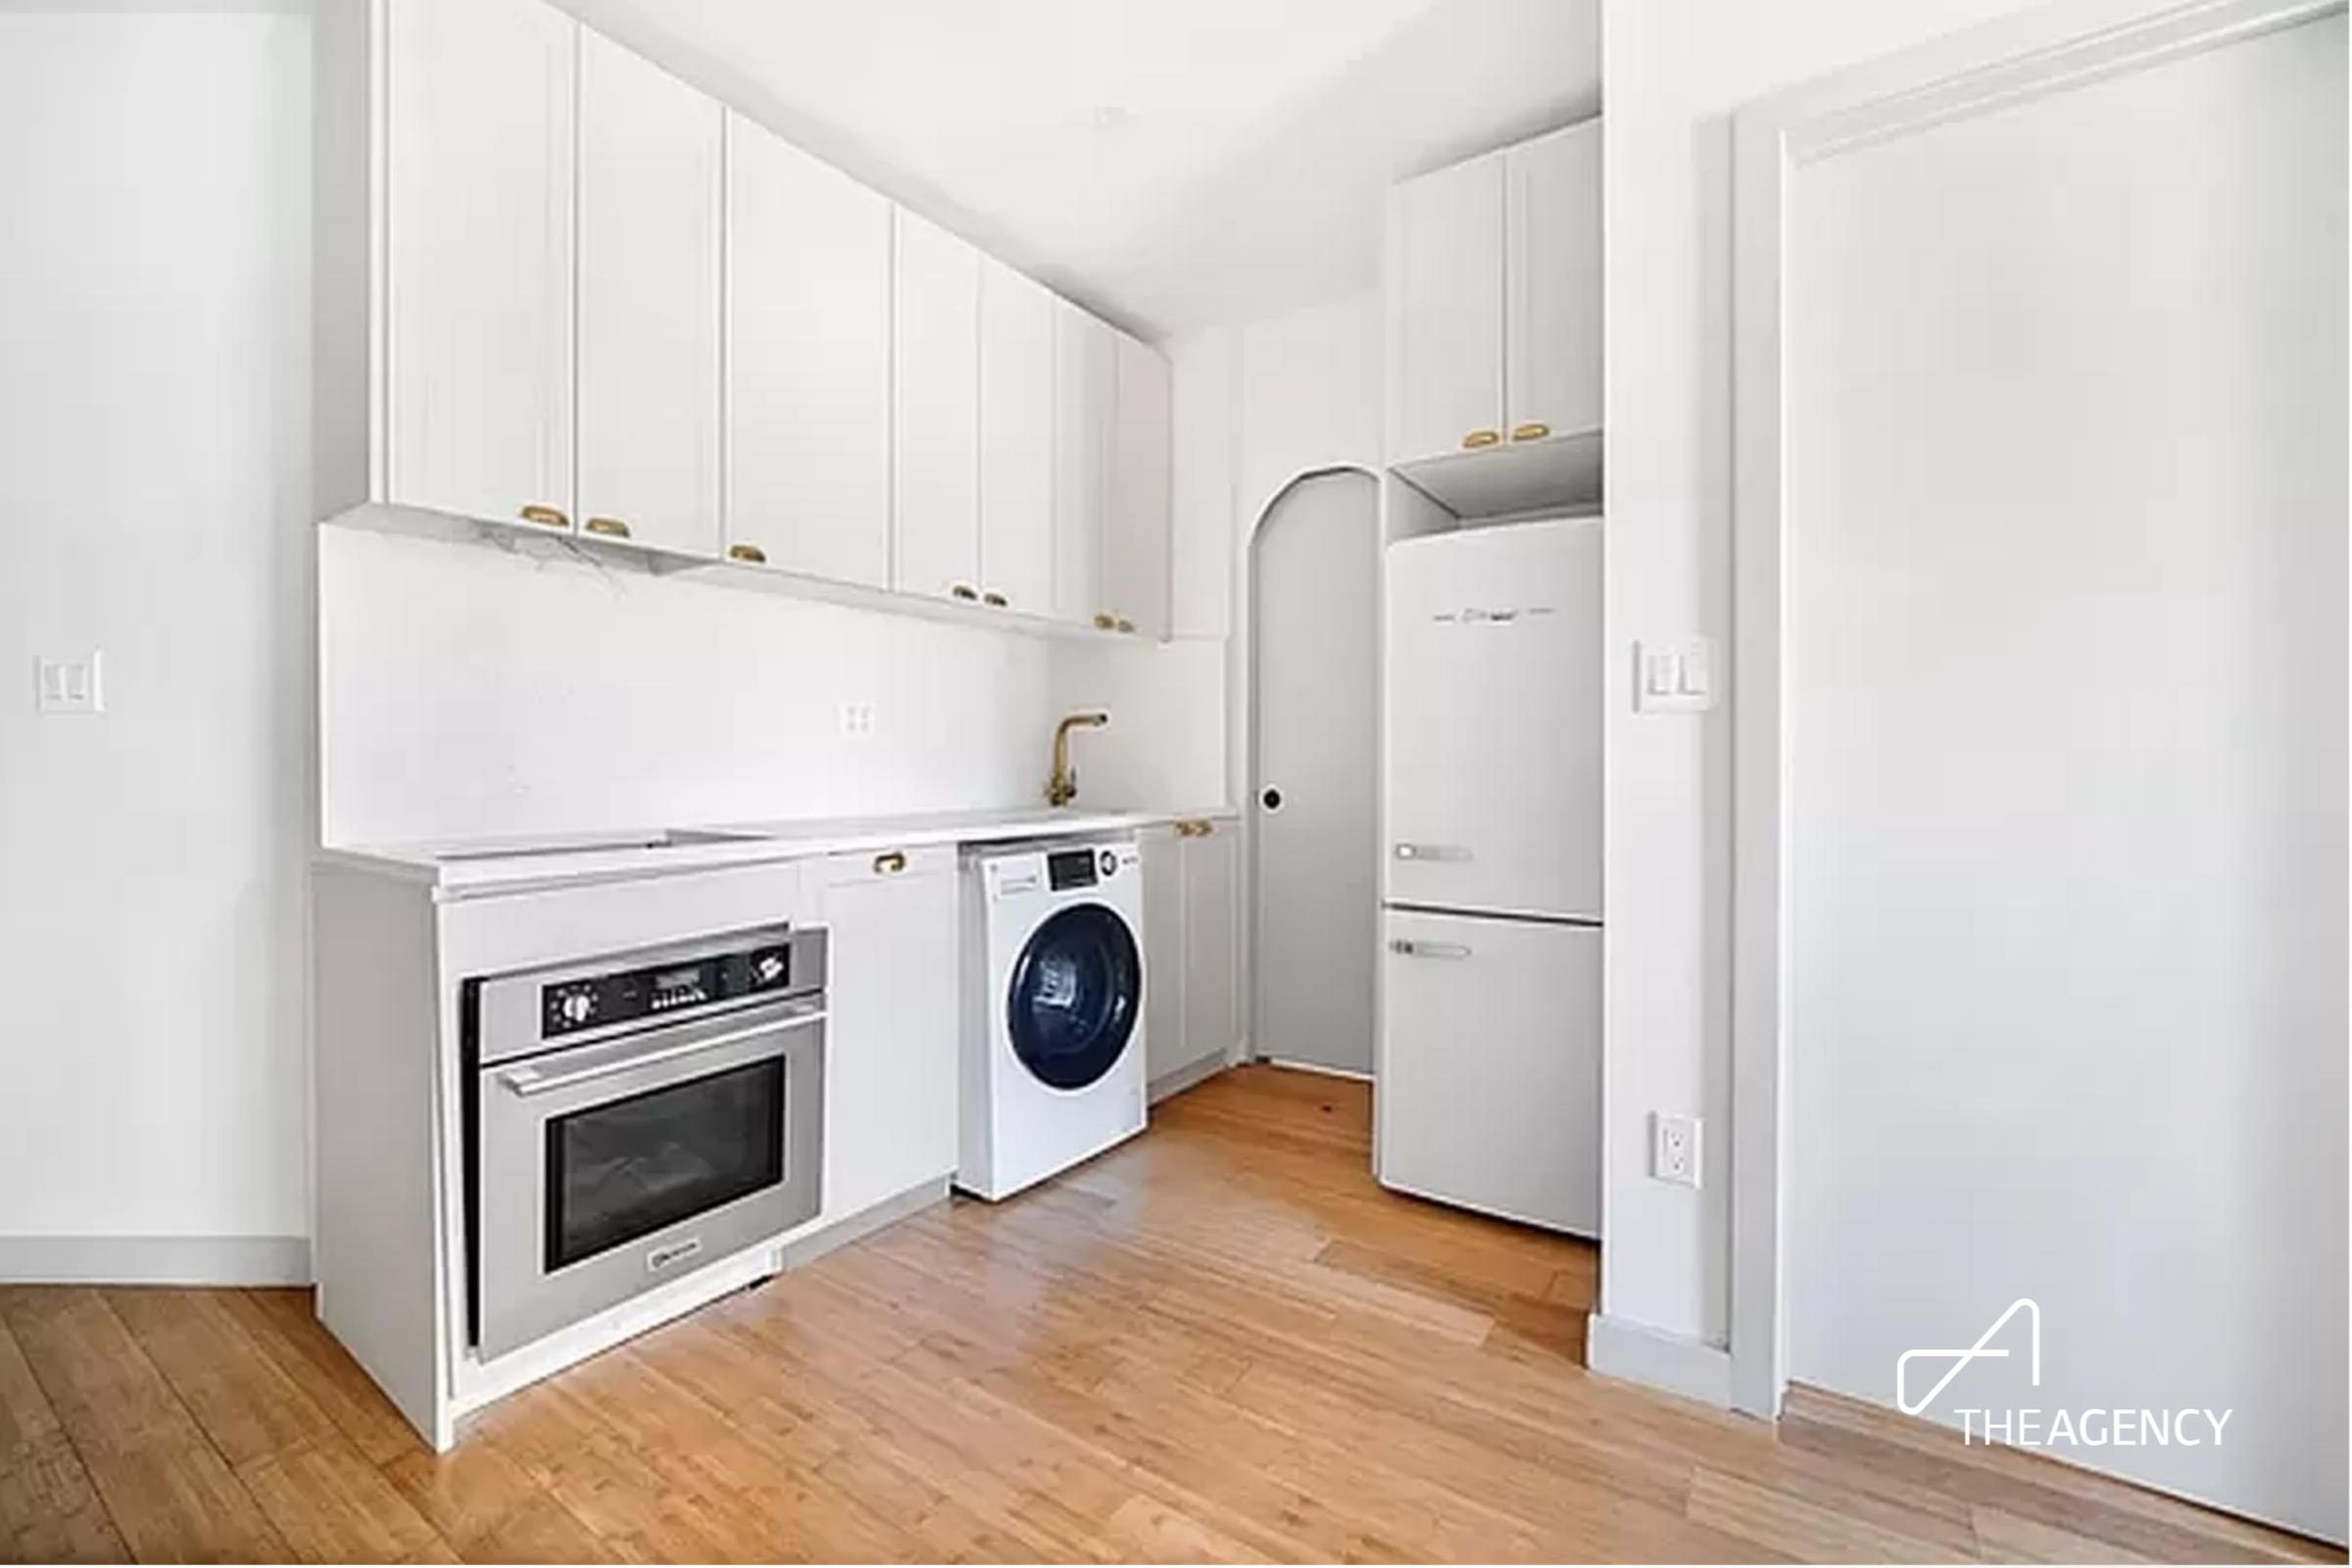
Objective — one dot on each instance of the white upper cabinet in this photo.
(478, 260)
(808, 362)
(936, 412)
(1085, 393)
(649, 307)
(1445, 310)
(1016, 441)
(1553, 373)
(1135, 540)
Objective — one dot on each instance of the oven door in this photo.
(608, 1169)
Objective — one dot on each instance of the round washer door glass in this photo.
(1077, 989)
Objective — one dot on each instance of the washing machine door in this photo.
(1077, 990)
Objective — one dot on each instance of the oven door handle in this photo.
(530, 1081)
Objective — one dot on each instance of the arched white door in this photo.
(1314, 685)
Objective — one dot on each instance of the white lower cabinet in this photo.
(1192, 969)
(891, 1038)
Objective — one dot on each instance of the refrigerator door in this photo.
(1488, 1087)
(1493, 739)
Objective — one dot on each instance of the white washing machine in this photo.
(1054, 1011)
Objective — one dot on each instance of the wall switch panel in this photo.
(1674, 677)
(70, 685)
(1674, 1148)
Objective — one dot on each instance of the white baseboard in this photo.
(1617, 1349)
(154, 1260)
(1178, 1080)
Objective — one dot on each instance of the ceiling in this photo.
(1170, 163)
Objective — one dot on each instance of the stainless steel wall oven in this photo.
(629, 1118)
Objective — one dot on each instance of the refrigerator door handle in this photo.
(1411, 949)
(1433, 851)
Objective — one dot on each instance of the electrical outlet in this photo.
(1674, 1148)
(856, 720)
(70, 685)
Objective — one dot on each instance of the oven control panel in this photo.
(622, 996)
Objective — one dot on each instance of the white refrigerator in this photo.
(1487, 1086)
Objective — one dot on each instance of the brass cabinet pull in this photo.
(1125, 624)
(609, 527)
(1482, 438)
(1533, 430)
(1105, 623)
(994, 601)
(891, 864)
(545, 516)
(1195, 828)
(750, 553)
(962, 591)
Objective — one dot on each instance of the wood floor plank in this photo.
(165, 1487)
(238, 1395)
(1223, 1341)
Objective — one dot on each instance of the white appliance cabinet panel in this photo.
(1489, 1089)
(808, 362)
(649, 309)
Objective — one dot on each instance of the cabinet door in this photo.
(1016, 440)
(1212, 993)
(480, 199)
(1553, 323)
(1164, 1045)
(935, 340)
(1445, 310)
(649, 331)
(891, 1034)
(807, 374)
(1085, 389)
(1134, 542)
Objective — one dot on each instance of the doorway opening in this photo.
(1314, 763)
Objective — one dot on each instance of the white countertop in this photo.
(488, 866)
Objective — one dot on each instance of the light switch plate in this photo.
(1677, 677)
(70, 685)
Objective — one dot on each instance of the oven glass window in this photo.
(628, 1167)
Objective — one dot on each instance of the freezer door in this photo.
(1492, 734)
(1488, 1089)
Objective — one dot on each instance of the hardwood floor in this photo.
(1220, 1342)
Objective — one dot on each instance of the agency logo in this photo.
(2098, 1427)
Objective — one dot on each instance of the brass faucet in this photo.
(1062, 788)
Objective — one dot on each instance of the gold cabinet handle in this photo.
(1482, 438)
(1533, 430)
(1105, 623)
(750, 553)
(891, 864)
(994, 601)
(609, 527)
(964, 591)
(545, 516)
(1125, 624)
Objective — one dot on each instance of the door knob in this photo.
(1272, 800)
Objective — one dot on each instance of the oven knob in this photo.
(577, 1005)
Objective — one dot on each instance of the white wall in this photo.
(1674, 70)
(470, 691)
(2066, 855)
(154, 328)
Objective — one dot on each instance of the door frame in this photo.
(2050, 49)
(1251, 739)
